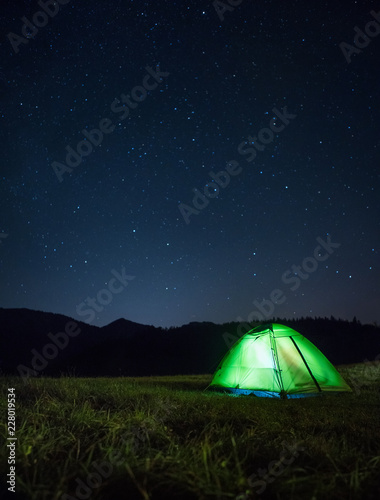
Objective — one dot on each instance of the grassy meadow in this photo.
(165, 437)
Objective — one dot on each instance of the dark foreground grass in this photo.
(164, 437)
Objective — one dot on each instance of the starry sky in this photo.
(184, 92)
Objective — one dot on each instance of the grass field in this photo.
(165, 437)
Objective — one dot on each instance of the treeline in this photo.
(34, 343)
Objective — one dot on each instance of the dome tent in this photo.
(274, 360)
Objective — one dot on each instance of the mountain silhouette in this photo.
(34, 343)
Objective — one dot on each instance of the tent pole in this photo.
(276, 362)
(307, 366)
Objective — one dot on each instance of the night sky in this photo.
(262, 97)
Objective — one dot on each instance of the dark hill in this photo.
(127, 348)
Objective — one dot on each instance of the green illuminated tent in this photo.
(276, 361)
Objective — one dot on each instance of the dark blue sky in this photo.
(179, 94)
